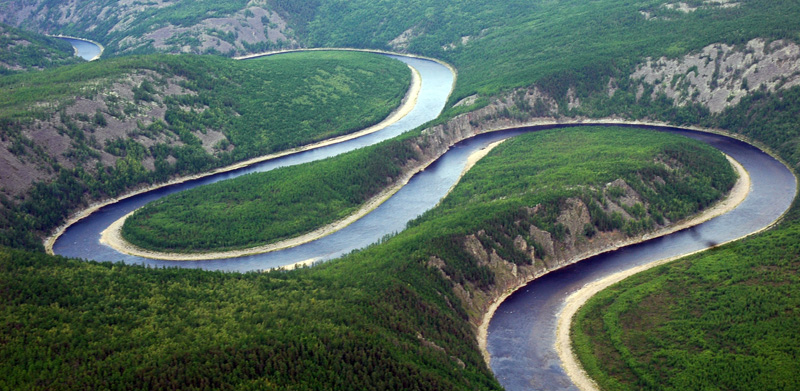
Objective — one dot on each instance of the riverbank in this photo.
(406, 106)
(737, 194)
(576, 300)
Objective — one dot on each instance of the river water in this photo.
(522, 332)
(85, 49)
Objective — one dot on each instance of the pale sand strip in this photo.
(737, 194)
(408, 104)
(574, 302)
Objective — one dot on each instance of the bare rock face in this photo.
(254, 27)
(227, 35)
(474, 247)
(720, 75)
(542, 251)
(82, 133)
(574, 216)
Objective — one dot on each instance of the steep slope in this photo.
(395, 316)
(22, 50)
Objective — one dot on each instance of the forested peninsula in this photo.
(402, 314)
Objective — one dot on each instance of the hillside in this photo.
(22, 50)
(174, 26)
(94, 130)
(577, 44)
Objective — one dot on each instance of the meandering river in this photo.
(522, 332)
(81, 240)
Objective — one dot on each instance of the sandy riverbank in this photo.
(112, 235)
(115, 241)
(576, 300)
(737, 194)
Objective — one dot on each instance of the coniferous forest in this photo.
(166, 100)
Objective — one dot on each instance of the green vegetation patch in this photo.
(262, 105)
(22, 50)
(583, 160)
(726, 319)
(104, 326)
(527, 182)
(501, 45)
(263, 208)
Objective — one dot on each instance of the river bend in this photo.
(522, 332)
(82, 239)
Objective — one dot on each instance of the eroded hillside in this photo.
(174, 26)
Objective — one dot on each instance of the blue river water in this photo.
(81, 240)
(85, 49)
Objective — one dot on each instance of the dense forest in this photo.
(382, 318)
(732, 315)
(155, 117)
(266, 207)
(263, 208)
(391, 317)
(723, 320)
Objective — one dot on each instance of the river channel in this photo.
(84, 49)
(522, 332)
